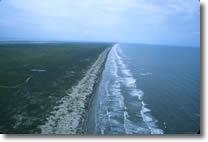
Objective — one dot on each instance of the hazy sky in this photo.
(139, 21)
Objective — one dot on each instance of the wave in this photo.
(129, 83)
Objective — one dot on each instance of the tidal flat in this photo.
(34, 77)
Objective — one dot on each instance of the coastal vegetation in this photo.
(35, 76)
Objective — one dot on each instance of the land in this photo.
(34, 77)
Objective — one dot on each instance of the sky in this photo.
(172, 22)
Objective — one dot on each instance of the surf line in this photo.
(130, 82)
(67, 117)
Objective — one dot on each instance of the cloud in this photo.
(105, 13)
(98, 18)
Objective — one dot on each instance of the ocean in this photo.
(148, 89)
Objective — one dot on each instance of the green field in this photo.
(33, 77)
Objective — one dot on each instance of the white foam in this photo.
(130, 82)
(165, 124)
(145, 110)
(149, 120)
(108, 114)
(38, 70)
(138, 93)
(106, 88)
(121, 102)
(102, 131)
(114, 101)
(132, 128)
(126, 72)
(146, 73)
(115, 71)
(125, 121)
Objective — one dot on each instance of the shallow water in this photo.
(148, 90)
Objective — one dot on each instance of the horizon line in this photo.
(177, 45)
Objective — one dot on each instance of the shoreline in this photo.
(71, 115)
(91, 98)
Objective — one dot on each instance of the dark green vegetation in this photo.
(26, 96)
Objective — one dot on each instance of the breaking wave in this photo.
(121, 108)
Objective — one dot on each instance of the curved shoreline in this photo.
(70, 116)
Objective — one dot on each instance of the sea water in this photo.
(148, 89)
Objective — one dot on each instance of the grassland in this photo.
(34, 77)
